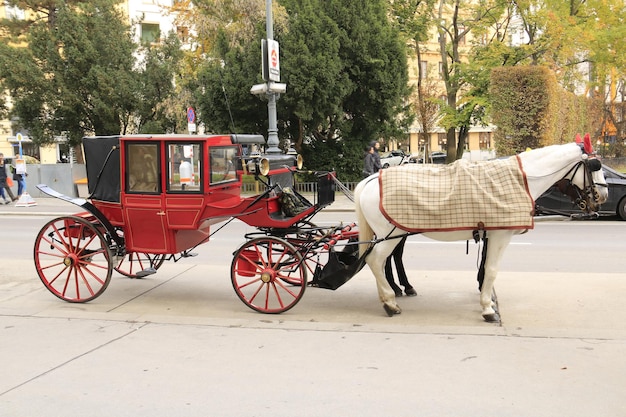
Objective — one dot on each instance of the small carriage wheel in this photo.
(316, 257)
(263, 273)
(72, 259)
(133, 262)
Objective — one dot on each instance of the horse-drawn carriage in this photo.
(155, 198)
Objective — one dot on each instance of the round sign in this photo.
(19, 137)
(191, 115)
(274, 58)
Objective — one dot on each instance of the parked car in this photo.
(555, 202)
(435, 158)
(393, 158)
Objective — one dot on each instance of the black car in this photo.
(555, 202)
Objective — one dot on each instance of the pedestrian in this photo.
(3, 182)
(369, 162)
(377, 164)
(19, 175)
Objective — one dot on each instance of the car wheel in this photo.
(385, 166)
(621, 209)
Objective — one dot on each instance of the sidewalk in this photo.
(49, 206)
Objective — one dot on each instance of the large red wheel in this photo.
(72, 259)
(267, 274)
(136, 264)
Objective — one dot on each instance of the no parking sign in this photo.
(191, 120)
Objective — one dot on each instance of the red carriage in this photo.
(154, 198)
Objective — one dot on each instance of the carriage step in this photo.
(188, 254)
(146, 272)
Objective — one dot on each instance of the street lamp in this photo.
(271, 74)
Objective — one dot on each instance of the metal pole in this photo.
(272, 131)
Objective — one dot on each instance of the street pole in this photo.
(272, 131)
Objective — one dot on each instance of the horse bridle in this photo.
(587, 198)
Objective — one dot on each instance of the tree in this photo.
(456, 20)
(157, 108)
(346, 75)
(76, 75)
(354, 84)
(582, 42)
(413, 19)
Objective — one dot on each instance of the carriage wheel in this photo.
(72, 259)
(315, 258)
(263, 273)
(134, 262)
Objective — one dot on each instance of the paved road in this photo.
(181, 344)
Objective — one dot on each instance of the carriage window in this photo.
(184, 167)
(142, 168)
(222, 164)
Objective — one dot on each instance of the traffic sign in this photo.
(191, 115)
(274, 60)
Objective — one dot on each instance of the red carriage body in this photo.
(155, 197)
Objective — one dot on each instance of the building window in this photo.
(183, 33)
(442, 139)
(461, 32)
(423, 69)
(440, 70)
(485, 140)
(150, 33)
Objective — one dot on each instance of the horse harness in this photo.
(586, 198)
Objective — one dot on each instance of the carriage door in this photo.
(145, 229)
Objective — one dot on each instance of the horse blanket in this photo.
(463, 195)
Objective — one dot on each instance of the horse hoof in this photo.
(410, 292)
(399, 293)
(492, 318)
(391, 311)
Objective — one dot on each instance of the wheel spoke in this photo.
(267, 275)
(72, 259)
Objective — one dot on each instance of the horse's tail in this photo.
(366, 234)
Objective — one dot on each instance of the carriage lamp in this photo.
(299, 161)
(263, 166)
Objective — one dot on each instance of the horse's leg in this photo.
(389, 277)
(402, 278)
(376, 261)
(498, 242)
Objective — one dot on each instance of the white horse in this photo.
(543, 167)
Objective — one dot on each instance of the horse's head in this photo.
(585, 183)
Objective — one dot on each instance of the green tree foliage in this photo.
(346, 74)
(75, 77)
(158, 110)
(465, 103)
(71, 71)
(524, 104)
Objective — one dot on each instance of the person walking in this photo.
(19, 175)
(3, 182)
(369, 162)
(377, 164)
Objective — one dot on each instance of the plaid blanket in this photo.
(461, 196)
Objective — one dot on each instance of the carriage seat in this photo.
(292, 203)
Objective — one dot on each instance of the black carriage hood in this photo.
(102, 159)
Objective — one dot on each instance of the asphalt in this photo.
(180, 343)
